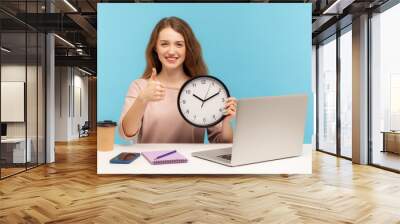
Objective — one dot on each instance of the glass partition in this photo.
(13, 108)
(22, 88)
(31, 100)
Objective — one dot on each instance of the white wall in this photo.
(15, 72)
(61, 103)
(71, 87)
(80, 105)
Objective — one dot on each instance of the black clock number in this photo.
(188, 91)
(187, 111)
(183, 101)
(223, 99)
(203, 81)
(204, 119)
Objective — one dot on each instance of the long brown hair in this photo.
(193, 65)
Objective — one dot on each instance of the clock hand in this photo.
(198, 98)
(211, 96)
(206, 95)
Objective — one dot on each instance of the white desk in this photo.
(19, 149)
(296, 165)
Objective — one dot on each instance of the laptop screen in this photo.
(3, 129)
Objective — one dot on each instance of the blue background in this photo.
(256, 49)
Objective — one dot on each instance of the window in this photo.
(327, 96)
(346, 93)
(385, 88)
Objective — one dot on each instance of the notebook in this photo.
(170, 159)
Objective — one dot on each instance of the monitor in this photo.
(3, 129)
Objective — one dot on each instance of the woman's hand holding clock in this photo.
(230, 109)
(154, 91)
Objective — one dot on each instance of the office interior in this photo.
(47, 81)
(48, 89)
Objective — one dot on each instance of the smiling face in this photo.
(173, 45)
(171, 48)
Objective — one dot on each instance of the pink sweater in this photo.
(162, 122)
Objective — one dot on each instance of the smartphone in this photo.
(125, 158)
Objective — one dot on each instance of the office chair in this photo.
(84, 130)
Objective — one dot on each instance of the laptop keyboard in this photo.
(227, 156)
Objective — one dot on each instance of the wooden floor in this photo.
(387, 159)
(70, 191)
(10, 171)
(5, 172)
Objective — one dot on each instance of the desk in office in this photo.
(295, 165)
(391, 141)
(18, 151)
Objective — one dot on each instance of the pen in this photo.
(166, 154)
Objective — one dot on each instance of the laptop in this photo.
(267, 128)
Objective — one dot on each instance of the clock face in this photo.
(201, 101)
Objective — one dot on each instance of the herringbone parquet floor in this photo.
(70, 191)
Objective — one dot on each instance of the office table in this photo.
(295, 165)
(18, 149)
(391, 141)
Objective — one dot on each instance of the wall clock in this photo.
(201, 101)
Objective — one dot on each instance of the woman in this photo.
(150, 111)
